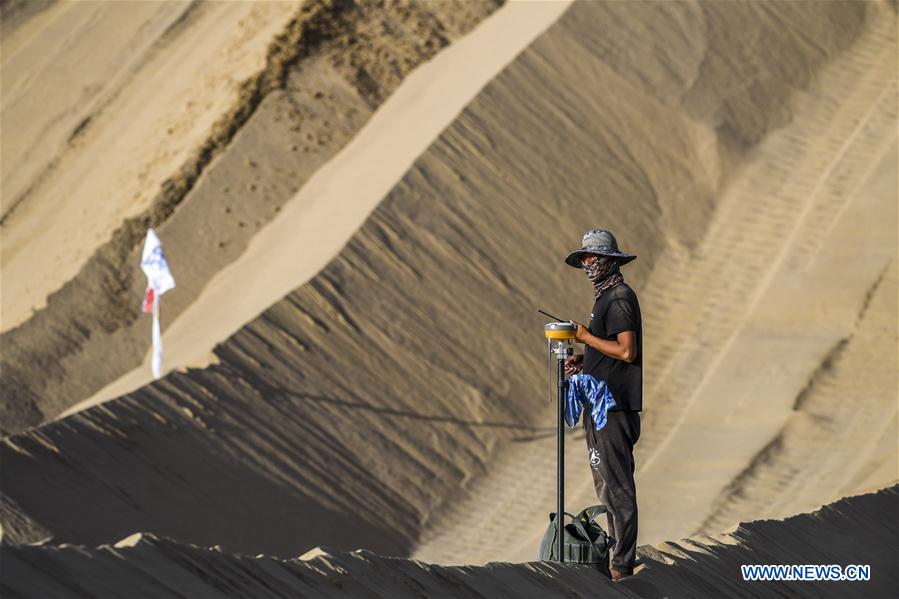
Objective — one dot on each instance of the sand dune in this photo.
(315, 85)
(167, 72)
(746, 152)
(316, 224)
(859, 529)
(817, 195)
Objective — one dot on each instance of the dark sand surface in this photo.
(860, 530)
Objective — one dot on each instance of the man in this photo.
(613, 353)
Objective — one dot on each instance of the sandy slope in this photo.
(316, 224)
(321, 78)
(167, 71)
(859, 530)
(742, 169)
(838, 408)
(816, 198)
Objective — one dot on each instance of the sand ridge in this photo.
(703, 566)
(316, 224)
(322, 75)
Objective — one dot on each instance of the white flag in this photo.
(159, 280)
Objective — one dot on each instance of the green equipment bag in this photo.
(584, 541)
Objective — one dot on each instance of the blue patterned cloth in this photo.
(585, 390)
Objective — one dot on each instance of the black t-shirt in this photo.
(617, 310)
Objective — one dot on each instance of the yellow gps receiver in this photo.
(560, 330)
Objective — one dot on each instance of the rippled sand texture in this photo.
(208, 166)
(396, 399)
(862, 528)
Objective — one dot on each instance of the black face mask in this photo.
(603, 273)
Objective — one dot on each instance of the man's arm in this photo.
(624, 347)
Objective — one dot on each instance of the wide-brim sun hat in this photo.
(601, 243)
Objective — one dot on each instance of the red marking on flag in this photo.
(148, 300)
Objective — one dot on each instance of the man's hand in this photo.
(622, 348)
(583, 333)
(574, 364)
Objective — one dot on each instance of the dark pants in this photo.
(610, 452)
